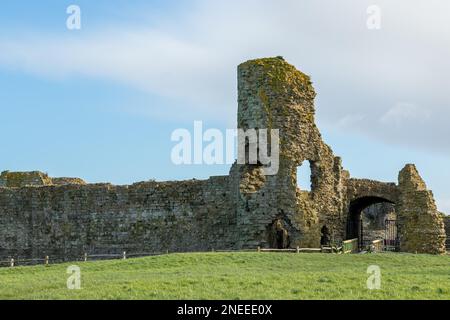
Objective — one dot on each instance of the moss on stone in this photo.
(22, 179)
(283, 76)
(267, 107)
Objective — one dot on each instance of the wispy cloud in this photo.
(360, 75)
(403, 113)
(350, 120)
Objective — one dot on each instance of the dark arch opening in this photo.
(325, 236)
(354, 218)
(278, 235)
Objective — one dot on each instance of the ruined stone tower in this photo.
(421, 227)
(275, 95)
(65, 218)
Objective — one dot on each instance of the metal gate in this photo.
(355, 231)
(391, 241)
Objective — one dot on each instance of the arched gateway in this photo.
(363, 194)
(418, 226)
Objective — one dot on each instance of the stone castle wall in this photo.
(66, 221)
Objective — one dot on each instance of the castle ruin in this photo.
(42, 216)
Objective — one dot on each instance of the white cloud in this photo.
(145, 59)
(403, 113)
(359, 73)
(350, 120)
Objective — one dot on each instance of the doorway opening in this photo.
(371, 218)
(278, 235)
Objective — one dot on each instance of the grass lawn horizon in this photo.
(232, 276)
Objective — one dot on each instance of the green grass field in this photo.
(233, 276)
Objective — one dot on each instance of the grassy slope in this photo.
(237, 276)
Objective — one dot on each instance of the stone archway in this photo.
(354, 226)
(419, 226)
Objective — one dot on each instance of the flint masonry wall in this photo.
(66, 221)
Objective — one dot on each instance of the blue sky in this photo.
(100, 103)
